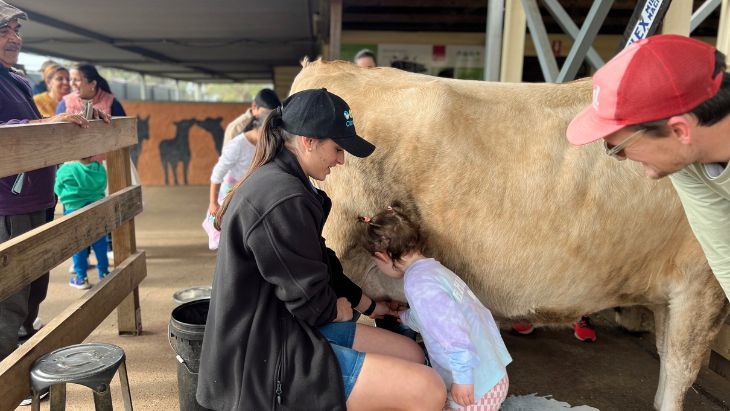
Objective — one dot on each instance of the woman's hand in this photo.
(463, 394)
(344, 310)
(101, 115)
(77, 119)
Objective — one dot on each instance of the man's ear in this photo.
(681, 128)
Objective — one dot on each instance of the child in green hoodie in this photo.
(78, 184)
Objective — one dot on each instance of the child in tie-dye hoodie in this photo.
(462, 339)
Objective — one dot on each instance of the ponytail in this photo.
(272, 140)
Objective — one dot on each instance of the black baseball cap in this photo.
(317, 113)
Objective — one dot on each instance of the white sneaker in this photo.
(37, 324)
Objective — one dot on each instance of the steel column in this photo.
(585, 38)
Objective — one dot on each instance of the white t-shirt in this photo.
(235, 159)
(705, 193)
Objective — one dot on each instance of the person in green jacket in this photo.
(78, 184)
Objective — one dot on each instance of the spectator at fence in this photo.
(264, 101)
(22, 206)
(58, 84)
(88, 84)
(365, 58)
(41, 86)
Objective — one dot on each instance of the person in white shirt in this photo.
(235, 159)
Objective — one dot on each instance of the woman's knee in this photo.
(434, 388)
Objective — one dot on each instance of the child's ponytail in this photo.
(392, 232)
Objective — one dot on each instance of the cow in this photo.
(540, 230)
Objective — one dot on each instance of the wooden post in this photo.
(722, 32)
(676, 21)
(513, 43)
(335, 29)
(129, 315)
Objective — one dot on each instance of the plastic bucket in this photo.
(185, 332)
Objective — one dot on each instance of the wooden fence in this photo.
(27, 257)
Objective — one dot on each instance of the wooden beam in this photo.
(72, 326)
(677, 19)
(335, 29)
(32, 146)
(513, 43)
(129, 314)
(723, 33)
(26, 257)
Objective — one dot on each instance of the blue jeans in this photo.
(341, 336)
(80, 259)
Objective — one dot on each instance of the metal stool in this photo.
(90, 364)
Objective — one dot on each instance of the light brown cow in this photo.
(540, 230)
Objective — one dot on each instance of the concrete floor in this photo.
(619, 372)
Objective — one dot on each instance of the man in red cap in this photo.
(664, 102)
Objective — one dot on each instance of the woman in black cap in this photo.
(278, 334)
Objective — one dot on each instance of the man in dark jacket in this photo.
(25, 197)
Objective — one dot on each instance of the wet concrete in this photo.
(618, 372)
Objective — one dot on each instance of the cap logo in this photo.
(596, 92)
(349, 120)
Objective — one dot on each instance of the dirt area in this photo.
(618, 372)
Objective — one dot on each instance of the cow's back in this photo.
(538, 228)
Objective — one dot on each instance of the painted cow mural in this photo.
(540, 230)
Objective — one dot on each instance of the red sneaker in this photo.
(584, 330)
(523, 328)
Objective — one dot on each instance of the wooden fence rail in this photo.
(28, 256)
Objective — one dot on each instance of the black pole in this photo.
(646, 20)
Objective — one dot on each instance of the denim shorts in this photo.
(341, 336)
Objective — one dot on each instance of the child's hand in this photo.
(463, 394)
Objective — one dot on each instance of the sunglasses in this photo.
(617, 151)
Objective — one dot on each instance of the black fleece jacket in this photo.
(275, 283)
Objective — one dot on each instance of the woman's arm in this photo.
(288, 253)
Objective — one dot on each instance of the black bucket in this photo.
(187, 325)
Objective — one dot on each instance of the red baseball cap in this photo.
(655, 78)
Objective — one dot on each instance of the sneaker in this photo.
(523, 328)
(29, 399)
(103, 275)
(81, 284)
(24, 333)
(584, 330)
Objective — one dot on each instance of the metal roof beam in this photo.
(50, 21)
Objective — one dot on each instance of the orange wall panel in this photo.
(176, 134)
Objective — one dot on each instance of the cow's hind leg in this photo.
(661, 316)
(694, 316)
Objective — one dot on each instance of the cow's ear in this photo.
(681, 128)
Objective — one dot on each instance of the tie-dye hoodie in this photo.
(463, 341)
